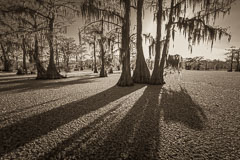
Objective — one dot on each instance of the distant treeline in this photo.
(198, 63)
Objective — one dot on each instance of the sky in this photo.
(180, 44)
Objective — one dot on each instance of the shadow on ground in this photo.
(26, 130)
(30, 84)
(5, 115)
(136, 136)
(178, 106)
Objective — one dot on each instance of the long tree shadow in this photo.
(136, 136)
(27, 84)
(178, 106)
(147, 139)
(5, 116)
(28, 129)
(80, 137)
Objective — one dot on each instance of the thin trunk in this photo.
(17, 62)
(231, 66)
(102, 72)
(111, 66)
(166, 44)
(125, 79)
(141, 73)
(52, 72)
(5, 59)
(41, 72)
(81, 56)
(237, 58)
(155, 78)
(81, 62)
(94, 55)
(67, 54)
(120, 57)
(112, 52)
(92, 66)
(67, 63)
(24, 55)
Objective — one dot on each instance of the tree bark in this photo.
(41, 72)
(68, 56)
(237, 58)
(81, 61)
(141, 73)
(155, 78)
(24, 55)
(94, 55)
(231, 66)
(6, 61)
(57, 57)
(112, 57)
(103, 73)
(125, 79)
(52, 72)
(166, 44)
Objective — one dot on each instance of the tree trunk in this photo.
(237, 58)
(81, 62)
(141, 73)
(67, 63)
(68, 57)
(155, 78)
(52, 72)
(17, 62)
(94, 55)
(41, 72)
(125, 79)
(231, 66)
(24, 55)
(166, 44)
(57, 57)
(6, 61)
(111, 65)
(103, 73)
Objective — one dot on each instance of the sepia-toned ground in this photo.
(196, 115)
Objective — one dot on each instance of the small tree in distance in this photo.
(233, 53)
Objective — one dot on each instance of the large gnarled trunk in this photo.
(125, 79)
(52, 72)
(141, 73)
(103, 73)
(155, 78)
